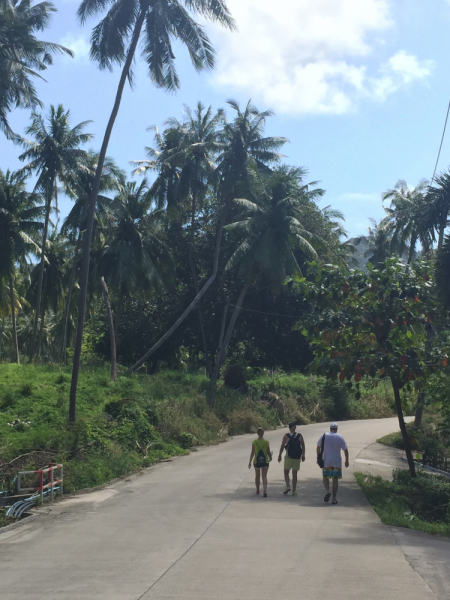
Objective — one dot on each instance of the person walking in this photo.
(332, 444)
(261, 456)
(294, 444)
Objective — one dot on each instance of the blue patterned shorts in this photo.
(332, 472)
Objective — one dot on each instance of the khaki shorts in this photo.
(291, 463)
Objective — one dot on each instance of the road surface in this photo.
(192, 529)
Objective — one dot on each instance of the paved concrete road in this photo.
(193, 529)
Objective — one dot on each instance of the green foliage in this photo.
(138, 420)
(373, 325)
(421, 503)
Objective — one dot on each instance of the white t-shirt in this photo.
(334, 443)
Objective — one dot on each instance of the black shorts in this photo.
(262, 466)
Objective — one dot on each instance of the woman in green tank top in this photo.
(261, 456)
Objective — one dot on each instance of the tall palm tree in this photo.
(22, 55)
(135, 257)
(58, 253)
(245, 151)
(19, 223)
(79, 188)
(115, 40)
(185, 162)
(269, 231)
(437, 206)
(405, 217)
(54, 153)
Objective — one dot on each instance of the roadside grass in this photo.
(422, 505)
(139, 420)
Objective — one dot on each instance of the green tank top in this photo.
(261, 445)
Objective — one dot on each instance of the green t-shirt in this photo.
(261, 445)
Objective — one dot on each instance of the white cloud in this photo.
(79, 45)
(311, 56)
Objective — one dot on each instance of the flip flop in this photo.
(327, 497)
(334, 502)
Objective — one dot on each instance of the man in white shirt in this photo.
(333, 443)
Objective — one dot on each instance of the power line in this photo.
(260, 312)
(442, 141)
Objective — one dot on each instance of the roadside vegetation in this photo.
(139, 420)
(421, 503)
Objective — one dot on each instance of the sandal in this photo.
(327, 497)
(334, 502)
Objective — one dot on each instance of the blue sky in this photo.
(359, 87)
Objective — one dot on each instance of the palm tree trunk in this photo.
(405, 436)
(117, 321)
(111, 328)
(41, 275)
(73, 274)
(195, 301)
(215, 375)
(14, 340)
(87, 238)
(41, 331)
(194, 277)
(221, 353)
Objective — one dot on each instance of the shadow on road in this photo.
(310, 494)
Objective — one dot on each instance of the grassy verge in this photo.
(139, 420)
(421, 504)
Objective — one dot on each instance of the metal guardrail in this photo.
(52, 467)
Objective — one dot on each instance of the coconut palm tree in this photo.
(19, 223)
(270, 230)
(58, 254)
(443, 272)
(437, 206)
(245, 152)
(378, 242)
(22, 56)
(54, 153)
(405, 217)
(185, 161)
(114, 41)
(135, 258)
(79, 188)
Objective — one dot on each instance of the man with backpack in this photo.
(294, 444)
(329, 448)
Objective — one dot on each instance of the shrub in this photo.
(244, 420)
(427, 496)
(235, 377)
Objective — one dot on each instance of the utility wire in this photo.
(260, 312)
(440, 147)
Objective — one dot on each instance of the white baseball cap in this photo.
(333, 425)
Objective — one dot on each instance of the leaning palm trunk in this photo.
(41, 278)
(197, 298)
(111, 328)
(222, 351)
(90, 219)
(15, 343)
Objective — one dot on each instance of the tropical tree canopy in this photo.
(23, 57)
